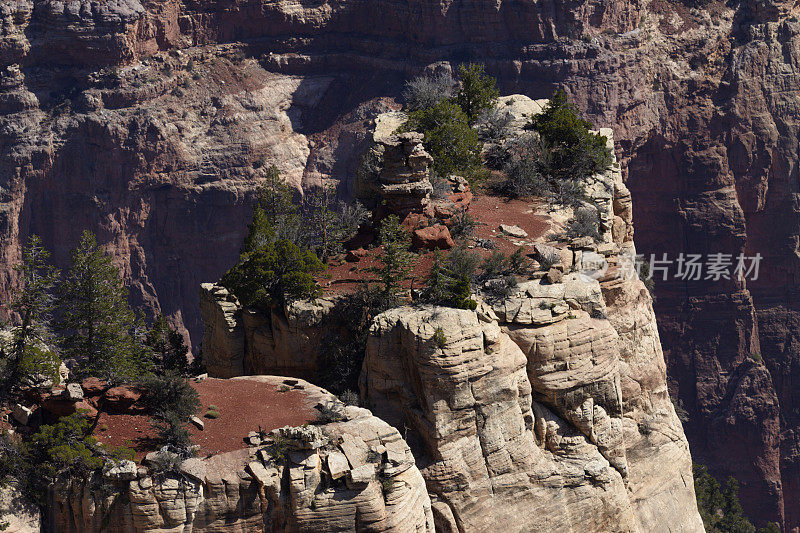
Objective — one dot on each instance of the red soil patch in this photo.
(243, 405)
(488, 211)
(491, 211)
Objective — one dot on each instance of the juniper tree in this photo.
(169, 349)
(448, 138)
(276, 270)
(98, 325)
(450, 280)
(275, 216)
(478, 91)
(171, 400)
(574, 151)
(33, 304)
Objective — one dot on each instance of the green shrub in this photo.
(171, 400)
(575, 152)
(568, 193)
(495, 265)
(518, 262)
(493, 125)
(278, 450)
(165, 462)
(329, 412)
(719, 505)
(349, 397)
(439, 338)
(450, 281)
(273, 272)
(212, 414)
(395, 259)
(523, 161)
(448, 138)
(585, 223)
(477, 92)
(64, 447)
(548, 260)
(462, 225)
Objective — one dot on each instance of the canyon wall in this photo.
(150, 123)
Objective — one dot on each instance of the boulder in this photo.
(124, 399)
(361, 476)
(583, 243)
(513, 231)
(555, 275)
(73, 392)
(337, 464)
(432, 238)
(94, 386)
(60, 406)
(21, 414)
(354, 256)
(124, 470)
(194, 468)
(197, 422)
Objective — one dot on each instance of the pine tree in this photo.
(34, 305)
(395, 259)
(478, 91)
(169, 350)
(323, 223)
(275, 215)
(98, 324)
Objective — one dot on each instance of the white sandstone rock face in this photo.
(16, 513)
(496, 459)
(548, 406)
(241, 342)
(354, 475)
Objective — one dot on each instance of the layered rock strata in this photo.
(549, 402)
(403, 184)
(355, 474)
(96, 133)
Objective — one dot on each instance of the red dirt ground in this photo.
(243, 406)
(488, 211)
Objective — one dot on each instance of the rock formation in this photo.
(241, 342)
(356, 474)
(141, 121)
(547, 405)
(403, 181)
(558, 384)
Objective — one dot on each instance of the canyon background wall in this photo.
(152, 122)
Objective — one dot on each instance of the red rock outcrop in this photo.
(101, 128)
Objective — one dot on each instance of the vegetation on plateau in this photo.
(83, 317)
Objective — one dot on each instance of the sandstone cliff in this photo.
(547, 407)
(356, 474)
(101, 128)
